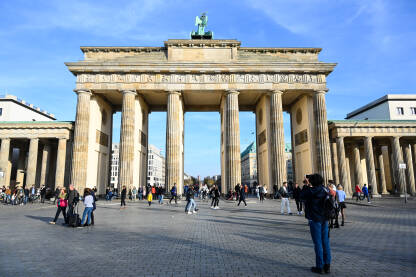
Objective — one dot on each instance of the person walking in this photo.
(261, 191)
(123, 197)
(358, 191)
(94, 206)
(173, 192)
(150, 198)
(366, 194)
(73, 198)
(216, 193)
(242, 196)
(237, 192)
(140, 193)
(285, 199)
(333, 192)
(57, 192)
(314, 195)
(296, 196)
(42, 194)
(61, 206)
(134, 194)
(341, 203)
(161, 194)
(191, 206)
(89, 206)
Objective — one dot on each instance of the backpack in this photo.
(330, 206)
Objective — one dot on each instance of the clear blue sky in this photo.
(373, 42)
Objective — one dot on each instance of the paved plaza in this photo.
(378, 240)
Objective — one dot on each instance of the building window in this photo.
(1, 111)
(400, 110)
(412, 110)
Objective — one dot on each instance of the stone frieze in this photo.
(217, 78)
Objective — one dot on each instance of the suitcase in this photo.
(74, 220)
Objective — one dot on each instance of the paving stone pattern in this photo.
(161, 240)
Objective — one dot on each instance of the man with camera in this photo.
(314, 195)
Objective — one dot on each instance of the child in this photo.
(149, 197)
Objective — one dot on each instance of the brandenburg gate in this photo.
(199, 75)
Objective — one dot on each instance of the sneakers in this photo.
(189, 212)
(52, 222)
(194, 212)
(216, 208)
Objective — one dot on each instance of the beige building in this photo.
(200, 75)
(373, 152)
(35, 153)
(249, 165)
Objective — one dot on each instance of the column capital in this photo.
(322, 91)
(232, 91)
(83, 91)
(173, 92)
(273, 91)
(127, 91)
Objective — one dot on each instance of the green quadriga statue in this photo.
(201, 22)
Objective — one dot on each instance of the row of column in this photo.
(175, 139)
(399, 175)
(31, 169)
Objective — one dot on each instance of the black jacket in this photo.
(314, 198)
(123, 193)
(190, 194)
(296, 193)
(284, 193)
(242, 193)
(73, 197)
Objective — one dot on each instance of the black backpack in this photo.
(330, 206)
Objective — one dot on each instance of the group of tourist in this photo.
(364, 192)
(22, 195)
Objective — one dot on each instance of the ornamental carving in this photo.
(216, 78)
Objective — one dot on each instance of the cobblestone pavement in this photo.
(378, 240)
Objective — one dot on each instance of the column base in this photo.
(376, 196)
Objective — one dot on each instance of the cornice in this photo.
(290, 50)
(116, 49)
(193, 67)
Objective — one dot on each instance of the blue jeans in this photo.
(192, 205)
(319, 233)
(161, 199)
(87, 212)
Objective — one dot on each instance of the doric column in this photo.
(342, 167)
(60, 163)
(127, 138)
(45, 165)
(334, 162)
(383, 185)
(371, 169)
(4, 161)
(409, 168)
(277, 139)
(357, 166)
(20, 173)
(80, 148)
(323, 152)
(32, 163)
(413, 145)
(174, 140)
(398, 159)
(232, 140)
